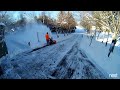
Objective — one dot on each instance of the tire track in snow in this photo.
(56, 62)
(74, 63)
(36, 63)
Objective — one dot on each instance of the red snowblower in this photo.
(51, 41)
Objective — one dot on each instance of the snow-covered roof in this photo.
(2, 24)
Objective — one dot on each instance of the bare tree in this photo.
(110, 20)
(61, 20)
(43, 15)
(6, 18)
(88, 22)
(71, 23)
(2, 14)
(31, 15)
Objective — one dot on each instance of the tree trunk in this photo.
(103, 38)
(91, 38)
(70, 31)
(95, 32)
(64, 33)
(67, 33)
(38, 37)
(98, 35)
(57, 33)
(107, 39)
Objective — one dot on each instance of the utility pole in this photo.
(43, 14)
(38, 37)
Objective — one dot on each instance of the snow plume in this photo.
(36, 32)
(34, 26)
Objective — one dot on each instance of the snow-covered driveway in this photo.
(63, 60)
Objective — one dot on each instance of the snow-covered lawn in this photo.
(98, 53)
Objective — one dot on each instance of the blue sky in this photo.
(15, 14)
(53, 14)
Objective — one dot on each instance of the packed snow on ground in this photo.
(64, 60)
(37, 60)
(79, 29)
(71, 57)
(34, 33)
(98, 52)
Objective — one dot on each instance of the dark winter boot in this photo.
(106, 44)
(109, 54)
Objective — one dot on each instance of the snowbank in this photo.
(98, 52)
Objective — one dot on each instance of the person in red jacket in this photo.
(47, 38)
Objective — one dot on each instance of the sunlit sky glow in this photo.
(15, 15)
